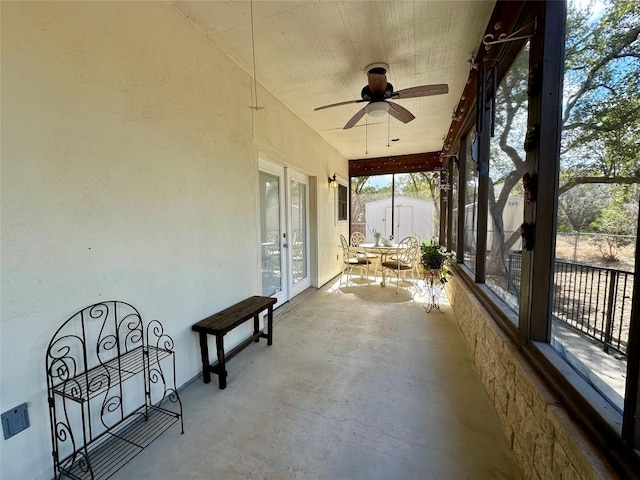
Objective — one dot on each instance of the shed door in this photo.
(403, 220)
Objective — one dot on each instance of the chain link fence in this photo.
(597, 249)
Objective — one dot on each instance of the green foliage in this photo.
(580, 207)
(436, 257)
(601, 128)
(600, 141)
(614, 222)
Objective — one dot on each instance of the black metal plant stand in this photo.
(434, 287)
(110, 381)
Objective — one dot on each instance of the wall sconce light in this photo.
(333, 183)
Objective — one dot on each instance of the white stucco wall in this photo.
(129, 172)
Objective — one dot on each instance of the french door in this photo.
(298, 227)
(284, 239)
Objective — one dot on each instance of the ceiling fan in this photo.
(378, 92)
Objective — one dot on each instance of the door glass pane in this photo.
(270, 234)
(298, 230)
(506, 193)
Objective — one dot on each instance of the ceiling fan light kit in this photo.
(377, 109)
(378, 92)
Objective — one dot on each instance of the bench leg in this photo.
(204, 353)
(221, 367)
(256, 326)
(270, 326)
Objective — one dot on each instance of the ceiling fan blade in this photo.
(400, 113)
(338, 104)
(355, 119)
(422, 91)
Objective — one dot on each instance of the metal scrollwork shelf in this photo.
(111, 389)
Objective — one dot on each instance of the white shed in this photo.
(410, 215)
(512, 218)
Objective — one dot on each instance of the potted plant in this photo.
(436, 258)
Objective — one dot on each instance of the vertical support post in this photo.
(546, 67)
(462, 195)
(450, 205)
(393, 204)
(484, 146)
(443, 214)
(631, 415)
(613, 286)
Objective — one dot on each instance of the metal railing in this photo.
(593, 300)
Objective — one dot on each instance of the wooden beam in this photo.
(417, 162)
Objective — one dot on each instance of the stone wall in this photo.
(545, 442)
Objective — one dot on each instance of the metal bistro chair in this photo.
(408, 241)
(351, 260)
(358, 238)
(405, 260)
(412, 239)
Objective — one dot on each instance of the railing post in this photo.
(613, 282)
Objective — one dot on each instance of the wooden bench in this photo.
(223, 322)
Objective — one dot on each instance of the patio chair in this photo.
(358, 238)
(351, 260)
(405, 260)
(408, 241)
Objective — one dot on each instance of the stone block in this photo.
(524, 456)
(589, 463)
(560, 461)
(543, 456)
(544, 440)
(502, 391)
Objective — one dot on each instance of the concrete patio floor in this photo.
(360, 383)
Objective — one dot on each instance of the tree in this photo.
(614, 222)
(507, 158)
(581, 206)
(601, 127)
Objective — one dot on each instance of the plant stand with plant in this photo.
(435, 260)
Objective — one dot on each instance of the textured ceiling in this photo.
(313, 53)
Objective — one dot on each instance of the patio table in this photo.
(383, 251)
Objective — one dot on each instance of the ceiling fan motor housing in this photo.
(377, 87)
(368, 95)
